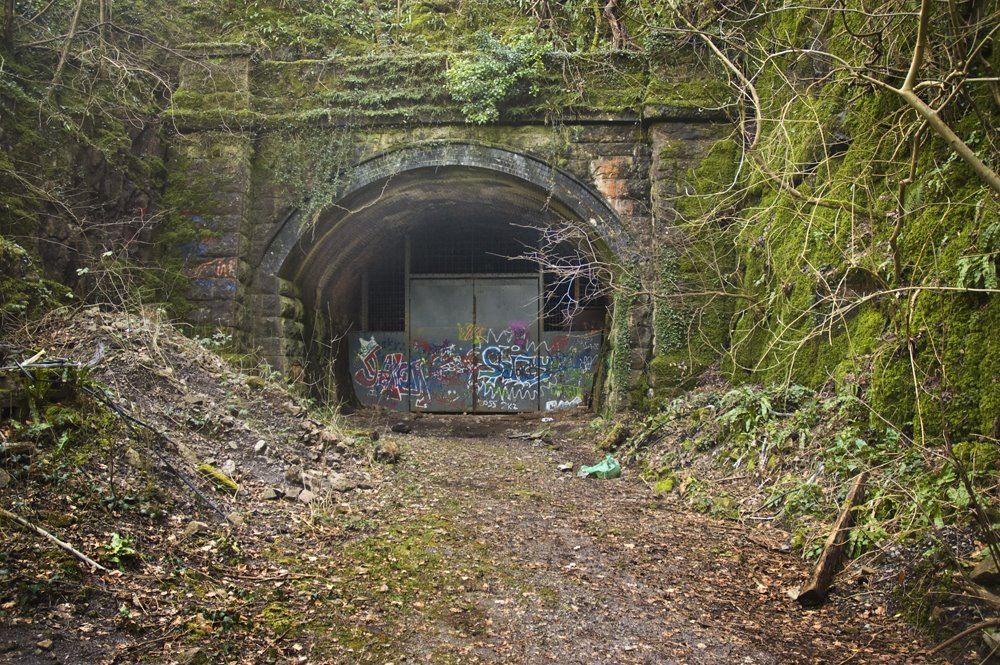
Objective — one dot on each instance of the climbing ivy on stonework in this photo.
(670, 324)
(312, 166)
(621, 341)
(496, 72)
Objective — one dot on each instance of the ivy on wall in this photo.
(497, 71)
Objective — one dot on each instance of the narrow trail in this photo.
(517, 562)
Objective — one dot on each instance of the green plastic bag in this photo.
(605, 469)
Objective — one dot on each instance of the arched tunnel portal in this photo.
(421, 290)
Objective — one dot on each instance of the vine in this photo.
(621, 340)
(496, 72)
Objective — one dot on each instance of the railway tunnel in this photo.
(421, 288)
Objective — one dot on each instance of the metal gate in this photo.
(473, 344)
(442, 350)
(475, 340)
(507, 344)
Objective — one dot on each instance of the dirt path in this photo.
(483, 551)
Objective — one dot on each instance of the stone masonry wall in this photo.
(265, 167)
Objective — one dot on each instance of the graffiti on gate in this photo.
(571, 365)
(384, 375)
(559, 369)
(449, 367)
(471, 332)
(506, 370)
(511, 368)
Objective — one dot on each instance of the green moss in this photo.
(24, 293)
(221, 480)
(665, 483)
(615, 437)
(667, 91)
(193, 102)
(212, 118)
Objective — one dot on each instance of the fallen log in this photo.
(814, 591)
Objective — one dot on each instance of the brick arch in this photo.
(578, 200)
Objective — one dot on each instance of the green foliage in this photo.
(24, 293)
(804, 448)
(805, 499)
(497, 72)
(980, 270)
(302, 25)
(119, 551)
(312, 166)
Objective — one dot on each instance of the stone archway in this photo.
(394, 207)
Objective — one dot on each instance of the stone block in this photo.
(281, 346)
(213, 314)
(279, 327)
(212, 288)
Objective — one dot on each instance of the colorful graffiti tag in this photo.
(448, 368)
(506, 371)
(383, 374)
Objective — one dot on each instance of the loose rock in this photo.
(193, 399)
(293, 475)
(189, 456)
(272, 493)
(985, 572)
(314, 481)
(388, 452)
(193, 529)
(305, 496)
(192, 656)
(340, 482)
(134, 459)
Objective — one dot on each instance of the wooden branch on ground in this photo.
(983, 625)
(6, 514)
(814, 591)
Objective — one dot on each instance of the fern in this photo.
(980, 270)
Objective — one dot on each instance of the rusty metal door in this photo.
(507, 373)
(442, 353)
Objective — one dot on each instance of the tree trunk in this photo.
(65, 50)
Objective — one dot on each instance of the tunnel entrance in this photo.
(414, 291)
(460, 322)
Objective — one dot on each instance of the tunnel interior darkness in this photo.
(431, 228)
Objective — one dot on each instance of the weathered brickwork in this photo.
(269, 170)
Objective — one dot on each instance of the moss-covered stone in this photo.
(221, 480)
